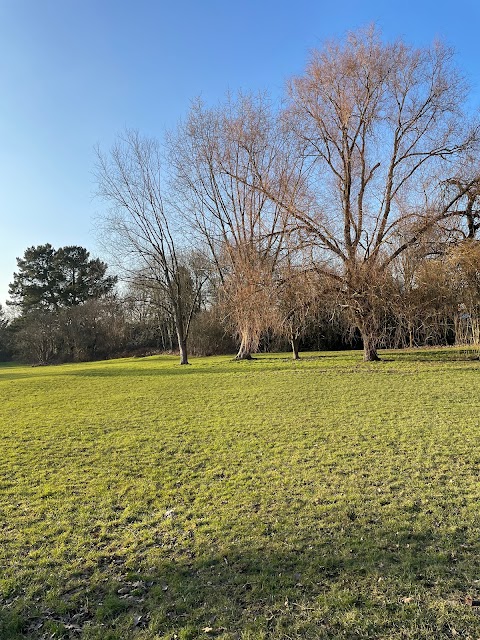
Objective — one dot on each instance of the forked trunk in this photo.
(244, 352)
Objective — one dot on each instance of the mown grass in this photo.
(328, 498)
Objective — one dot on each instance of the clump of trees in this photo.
(63, 306)
(348, 212)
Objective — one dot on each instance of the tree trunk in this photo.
(370, 331)
(295, 342)
(369, 348)
(244, 352)
(182, 345)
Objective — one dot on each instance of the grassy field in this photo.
(328, 498)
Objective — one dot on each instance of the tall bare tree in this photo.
(218, 155)
(380, 128)
(142, 230)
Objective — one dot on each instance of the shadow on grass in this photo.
(228, 364)
(12, 375)
(100, 369)
(359, 583)
(433, 354)
(223, 367)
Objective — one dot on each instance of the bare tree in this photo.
(218, 155)
(151, 327)
(298, 294)
(466, 225)
(141, 227)
(247, 298)
(462, 264)
(37, 337)
(379, 128)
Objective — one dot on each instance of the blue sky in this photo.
(74, 73)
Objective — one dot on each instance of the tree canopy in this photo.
(50, 279)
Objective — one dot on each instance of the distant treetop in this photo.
(51, 279)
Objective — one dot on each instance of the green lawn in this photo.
(328, 498)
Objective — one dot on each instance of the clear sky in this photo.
(75, 73)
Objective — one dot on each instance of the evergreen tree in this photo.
(49, 280)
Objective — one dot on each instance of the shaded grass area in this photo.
(328, 498)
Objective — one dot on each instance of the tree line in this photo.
(348, 211)
(432, 301)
